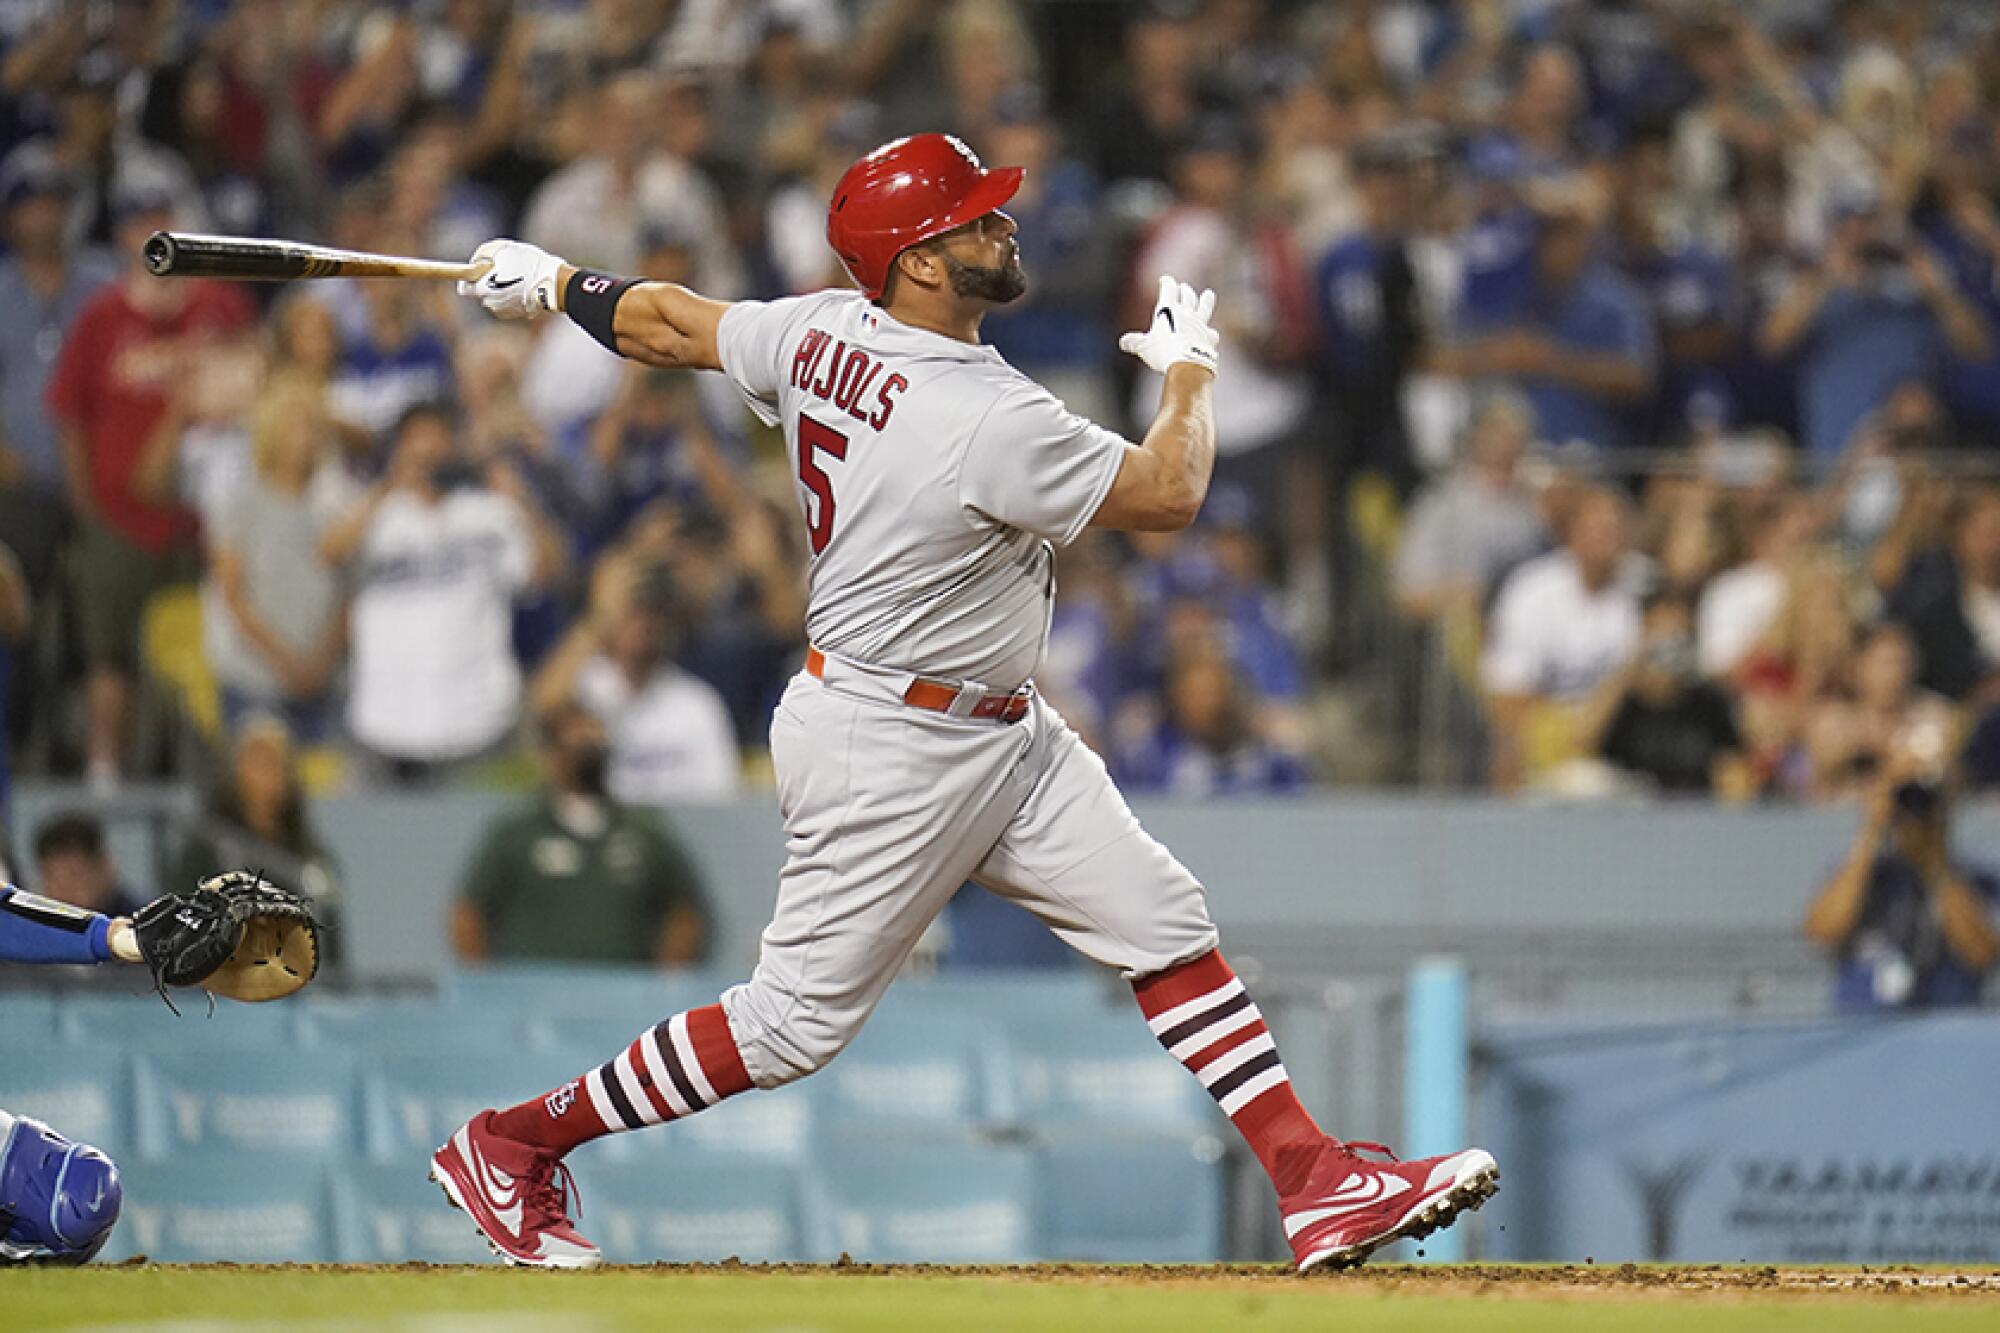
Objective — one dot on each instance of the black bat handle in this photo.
(160, 253)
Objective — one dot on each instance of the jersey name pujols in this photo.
(829, 369)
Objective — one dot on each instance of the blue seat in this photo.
(1022, 1003)
(1133, 1200)
(591, 1040)
(645, 995)
(390, 1214)
(27, 1018)
(413, 1102)
(84, 1094)
(921, 1068)
(1106, 1070)
(235, 1207)
(922, 1202)
(773, 1126)
(691, 1209)
(142, 1021)
(304, 1104)
(412, 1026)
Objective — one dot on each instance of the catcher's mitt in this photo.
(237, 935)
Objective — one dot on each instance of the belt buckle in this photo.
(970, 695)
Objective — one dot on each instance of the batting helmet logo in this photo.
(905, 192)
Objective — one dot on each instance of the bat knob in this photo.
(159, 254)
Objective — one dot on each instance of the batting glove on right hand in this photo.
(519, 282)
(1180, 330)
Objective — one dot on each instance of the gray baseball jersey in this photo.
(934, 479)
(933, 476)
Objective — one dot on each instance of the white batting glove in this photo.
(519, 282)
(1180, 330)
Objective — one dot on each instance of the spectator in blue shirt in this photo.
(1763, 386)
(1365, 304)
(1545, 116)
(1578, 342)
(1690, 288)
(402, 357)
(43, 283)
(1207, 744)
(1088, 667)
(1056, 332)
(645, 447)
(1955, 213)
(1910, 924)
(1210, 583)
(1878, 308)
(1498, 247)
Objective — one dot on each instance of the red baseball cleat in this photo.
(518, 1196)
(1349, 1208)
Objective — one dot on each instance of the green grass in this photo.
(182, 1300)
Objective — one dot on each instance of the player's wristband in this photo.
(591, 299)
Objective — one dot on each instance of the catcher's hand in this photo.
(237, 935)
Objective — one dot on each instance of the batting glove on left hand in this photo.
(1180, 329)
(519, 282)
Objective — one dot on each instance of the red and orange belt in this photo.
(939, 696)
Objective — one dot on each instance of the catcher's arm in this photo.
(34, 929)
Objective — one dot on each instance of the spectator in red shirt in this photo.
(120, 386)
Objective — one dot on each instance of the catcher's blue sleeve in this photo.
(40, 930)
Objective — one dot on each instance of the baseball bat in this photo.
(176, 254)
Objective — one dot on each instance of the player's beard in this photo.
(999, 284)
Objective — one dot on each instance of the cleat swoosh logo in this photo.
(1351, 1196)
(499, 1190)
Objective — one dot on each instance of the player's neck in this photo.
(957, 322)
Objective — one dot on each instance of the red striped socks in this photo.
(684, 1065)
(1200, 1012)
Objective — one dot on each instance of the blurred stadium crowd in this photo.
(1608, 403)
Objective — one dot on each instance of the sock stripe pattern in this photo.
(684, 1065)
(1205, 1018)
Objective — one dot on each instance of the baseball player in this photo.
(912, 752)
(58, 1200)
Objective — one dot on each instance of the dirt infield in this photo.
(1534, 1281)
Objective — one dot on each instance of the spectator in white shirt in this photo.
(1469, 527)
(671, 736)
(595, 210)
(1562, 623)
(438, 557)
(1216, 236)
(273, 614)
(1741, 603)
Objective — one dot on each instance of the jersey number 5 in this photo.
(812, 438)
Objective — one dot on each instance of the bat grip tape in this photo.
(591, 301)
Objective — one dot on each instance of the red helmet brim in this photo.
(995, 187)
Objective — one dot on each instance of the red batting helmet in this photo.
(908, 191)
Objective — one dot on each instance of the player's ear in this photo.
(920, 265)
